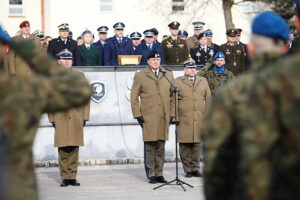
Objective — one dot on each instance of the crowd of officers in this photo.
(154, 103)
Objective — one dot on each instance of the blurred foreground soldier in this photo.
(191, 109)
(89, 54)
(209, 35)
(102, 33)
(216, 74)
(63, 42)
(50, 88)
(136, 41)
(147, 46)
(16, 65)
(202, 54)
(183, 35)
(151, 106)
(117, 45)
(174, 49)
(252, 129)
(69, 131)
(234, 53)
(193, 42)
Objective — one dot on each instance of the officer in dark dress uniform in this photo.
(63, 42)
(234, 53)
(209, 35)
(174, 49)
(202, 54)
(117, 45)
(136, 41)
(238, 41)
(101, 43)
(148, 45)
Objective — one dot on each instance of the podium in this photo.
(129, 59)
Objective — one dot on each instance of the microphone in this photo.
(162, 71)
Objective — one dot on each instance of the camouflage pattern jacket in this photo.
(252, 134)
(214, 78)
(50, 88)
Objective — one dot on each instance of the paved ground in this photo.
(116, 182)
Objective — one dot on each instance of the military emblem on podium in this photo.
(99, 91)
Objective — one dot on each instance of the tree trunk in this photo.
(227, 5)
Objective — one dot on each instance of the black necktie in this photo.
(155, 73)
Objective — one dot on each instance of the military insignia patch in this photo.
(99, 91)
(169, 45)
(181, 45)
(198, 54)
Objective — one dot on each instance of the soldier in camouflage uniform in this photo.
(252, 129)
(23, 100)
(216, 74)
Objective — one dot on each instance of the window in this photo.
(16, 8)
(106, 5)
(177, 6)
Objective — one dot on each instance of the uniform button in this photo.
(69, 117)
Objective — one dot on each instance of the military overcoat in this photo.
(69, 125)
(191, 108)
(151, 98)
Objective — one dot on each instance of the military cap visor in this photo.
(148, 33)
(102, 29)
(198, 25)
(65, 54)
(190, 64)
(153, 54)
(231, 33)
(119, 26)
(174, 25)
(135, 35)
(202, 35)
(63, 27)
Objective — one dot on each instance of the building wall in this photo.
(31, 12)
(137, 15)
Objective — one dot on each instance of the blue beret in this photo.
(65, 54)
(270, 25)
(153, 54)
(219, 55)
(4, 37)
(208, 32)
(183, 33)
(189, 63)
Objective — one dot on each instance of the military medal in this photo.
(198, 54)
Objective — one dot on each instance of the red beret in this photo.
(25, 24)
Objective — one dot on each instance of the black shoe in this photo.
(152, 180)
(197, 174)
(74, 182)
(64, 183)
(161, 179)
(188, 175)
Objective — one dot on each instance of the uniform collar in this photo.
(263, 60)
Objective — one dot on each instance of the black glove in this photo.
(170, 120)
(140, 121)
(53, 124)
(84, 122)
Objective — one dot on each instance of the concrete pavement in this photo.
(116, 182)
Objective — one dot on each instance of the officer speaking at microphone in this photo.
(151, 106)
(191, 109)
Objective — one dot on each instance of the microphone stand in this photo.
(176, 94)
